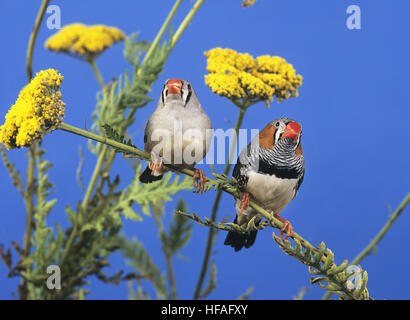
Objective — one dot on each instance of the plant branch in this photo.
(160, 34)
(186, 21)
(97, 74)
(366, 251)
(28, 197)
(168, 256)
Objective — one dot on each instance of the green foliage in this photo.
(145, 194)
(327, 274)
(180, 230)
(246, 294)
(211, 285)
(114, 135)
(227, 226)
(133, 49)
(14, 174)
(133, 250)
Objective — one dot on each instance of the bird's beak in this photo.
(292, 131)
(174, 86)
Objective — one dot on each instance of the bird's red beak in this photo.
(174, 86)
(292, 131)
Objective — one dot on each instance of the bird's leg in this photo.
(199, 175)
(287, 227)
(244, 202)
(155, 163)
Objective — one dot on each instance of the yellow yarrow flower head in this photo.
(83, 40)
(239, 76)
(38, 110)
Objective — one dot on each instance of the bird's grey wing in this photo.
(300, 180)
(148, 143)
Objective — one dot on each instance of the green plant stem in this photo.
(97, 74)
(29, 200)
(94, 177)
(171, 279)
(168, 256)
(212, 231)
(159, 35)
(101, 156)
(366, 251)
(33, 37)
(186, 21)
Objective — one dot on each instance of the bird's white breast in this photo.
(269, 191)
(188, 135)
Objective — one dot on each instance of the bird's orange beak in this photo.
(292, 131)
(174, 86)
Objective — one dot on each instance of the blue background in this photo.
(353, 104)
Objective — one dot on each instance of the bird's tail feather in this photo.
(238, 240)
(148, 177)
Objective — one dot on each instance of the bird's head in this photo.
(280, 132)
(177, 90)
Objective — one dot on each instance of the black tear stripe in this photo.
(164, 94)
(282, 172)
(188, 96)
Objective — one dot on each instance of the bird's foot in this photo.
(156, 165)
(244, 202)
(286, 228)
(199, 176)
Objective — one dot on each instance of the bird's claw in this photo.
(244, 202)
(199, 176)
(286, 228)
(156, 165)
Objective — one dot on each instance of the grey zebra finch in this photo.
(177, 133)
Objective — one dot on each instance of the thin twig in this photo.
(168, 257)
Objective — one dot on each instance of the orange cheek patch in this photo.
(298, 150)
(266, 137)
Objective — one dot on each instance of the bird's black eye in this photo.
(277, 124)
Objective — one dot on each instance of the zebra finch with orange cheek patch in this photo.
(269, 172)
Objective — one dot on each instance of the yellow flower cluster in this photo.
(238, 75)
(37, 109)
(84, 40)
